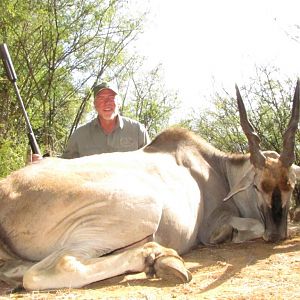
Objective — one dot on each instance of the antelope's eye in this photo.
(255, 187)
(267, 186)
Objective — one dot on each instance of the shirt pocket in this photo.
(128, 144)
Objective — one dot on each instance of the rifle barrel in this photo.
(8, 65)
(11, 75)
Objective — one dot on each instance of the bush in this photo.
(12, 156)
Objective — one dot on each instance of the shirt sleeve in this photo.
(144, 138)
(71, 150)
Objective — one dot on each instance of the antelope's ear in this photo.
(246, 181)
(297, 171)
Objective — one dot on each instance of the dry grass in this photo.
(253, 270)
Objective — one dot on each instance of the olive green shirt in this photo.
(90, 138)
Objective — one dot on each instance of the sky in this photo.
(206, 44)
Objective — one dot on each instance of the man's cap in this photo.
(103, 86)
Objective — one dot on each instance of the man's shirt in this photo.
(90, 138)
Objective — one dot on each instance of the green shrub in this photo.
(12, 156)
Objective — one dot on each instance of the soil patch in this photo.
(252, 270)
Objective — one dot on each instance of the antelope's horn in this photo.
(257, 158)
(287, 155)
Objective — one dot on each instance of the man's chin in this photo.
(108, 116)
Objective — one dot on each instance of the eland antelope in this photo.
(68, 223)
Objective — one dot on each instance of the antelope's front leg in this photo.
(74, 270)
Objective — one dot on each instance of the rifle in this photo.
(11, 75)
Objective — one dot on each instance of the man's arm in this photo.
(144, 138)
(71, 150)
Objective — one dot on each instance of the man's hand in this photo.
(35, 157)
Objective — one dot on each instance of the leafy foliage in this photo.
(60, 49)
(12, 155)
(150, 102)
(268, 103)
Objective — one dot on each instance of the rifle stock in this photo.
(11, 75)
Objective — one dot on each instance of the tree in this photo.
(145, 97)
(60, 48)
(268, 104)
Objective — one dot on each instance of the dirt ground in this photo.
(253, 270)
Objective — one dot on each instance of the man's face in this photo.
(105, 104)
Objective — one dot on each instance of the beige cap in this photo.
(103, 86)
